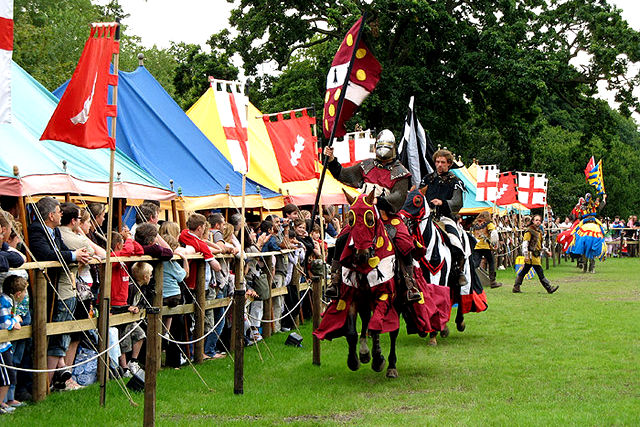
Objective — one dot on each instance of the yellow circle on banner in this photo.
(395, 221)
(390, 247)
(349, 40)
(374, 261)
(384, 297)
(332, 110)
(379, 242)
(361, 75)
(421, 299)
(336, 95)
(361, 53)
(326, 124)
(341, 305)
(419, 245)
(326, 97)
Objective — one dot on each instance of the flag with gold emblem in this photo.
(355, 71)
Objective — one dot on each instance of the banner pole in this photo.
(343, 91)
(105, 286)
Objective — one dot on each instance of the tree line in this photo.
(508, 82)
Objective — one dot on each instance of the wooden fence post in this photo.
(158, 274)
(316, 284)
(39, 334)
(238, 328)
(154, 320)
(199, 312)
(267, 305)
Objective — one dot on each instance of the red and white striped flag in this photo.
(6, 50)
(532, 189)
(232, 103)
(487, 177)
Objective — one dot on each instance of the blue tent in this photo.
(470, 205)
(40, 163)
(154, 131)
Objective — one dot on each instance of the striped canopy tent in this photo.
(263, 164)
(513, 207)
(40, 163)
(154, 131)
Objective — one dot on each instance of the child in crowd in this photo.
(173, 274)
(14, 290)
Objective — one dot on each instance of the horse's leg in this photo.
(460, 318)
(352, 339)
(364, 352)
(378, 361)
(432, 338)
(392, 372)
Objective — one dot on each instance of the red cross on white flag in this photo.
(354, 147)
(532, 189)
(232, 105)
(6, 49)
(487, 177)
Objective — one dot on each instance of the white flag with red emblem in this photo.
(363, 78)
(532, 189)
(354, 147)
(487, 177)
(232, 103)
(6, 50)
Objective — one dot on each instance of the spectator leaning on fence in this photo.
(45, 243)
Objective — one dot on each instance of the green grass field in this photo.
(531, 359)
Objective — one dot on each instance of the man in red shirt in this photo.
(193, 236)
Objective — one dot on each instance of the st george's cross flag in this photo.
(353, 55)
(487, 177)
(415, 150)
(354, 147)
(507, 190)
(293, 144)
(6, 50)
(232, 103)
(532, 189)
(81, 115)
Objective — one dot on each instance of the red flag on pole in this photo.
(363, 78)
(591, 164)
(507, 192)
(81, 115)
(6, 50)
(294, 145)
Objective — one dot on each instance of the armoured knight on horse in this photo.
(390, 181)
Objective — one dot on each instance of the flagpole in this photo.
(105, 286)
(343, 92)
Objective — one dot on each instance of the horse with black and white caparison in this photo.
(368, 289)
(437, 265)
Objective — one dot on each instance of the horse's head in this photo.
(415, 208)
(364, 222)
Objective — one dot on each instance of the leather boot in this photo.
(413, 293)
(548, 286)
(516, 285)
(332, 290)
(462, 279)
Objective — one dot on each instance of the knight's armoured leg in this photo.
(457, 250)
(413, 294)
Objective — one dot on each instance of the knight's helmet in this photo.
(385, 145)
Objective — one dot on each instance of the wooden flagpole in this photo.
(338, 113)
(105, 286)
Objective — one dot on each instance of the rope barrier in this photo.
(284, 315)
(213, 328)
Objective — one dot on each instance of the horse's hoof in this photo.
(432, 342)
(353, 363)
(445, 332)
(365, 357)
(461, 326)
(378, 363)
(392, 373)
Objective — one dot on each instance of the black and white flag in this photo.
(415, 150)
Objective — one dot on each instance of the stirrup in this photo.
(331, 292)
(413, 295)
(462, 280)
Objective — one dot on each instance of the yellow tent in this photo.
(263, 167)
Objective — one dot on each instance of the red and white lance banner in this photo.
(532, 189)
(81, 115)
(507, 190)
(232, 103)
(293, 144)
(354, 147)
(487, 177)
(6, 50)
(364, 76)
